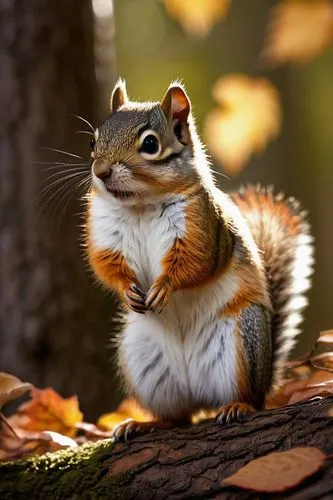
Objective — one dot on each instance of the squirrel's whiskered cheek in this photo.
(118, 181)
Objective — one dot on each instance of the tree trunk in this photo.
(53, 321)
(181, 463)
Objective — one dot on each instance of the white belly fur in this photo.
(184, 358)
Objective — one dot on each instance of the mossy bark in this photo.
(181, 463)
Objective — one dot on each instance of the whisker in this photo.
(64, 173)
(48, 163)
(70, 194)
(86, 184)
(47, 188)
(63, 188)
(84, 132)
(63, 152)
(221, 174)
(59, 163)
(84, 120)
(45, 203)
(61, 168)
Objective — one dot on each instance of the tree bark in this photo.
(54, 323)
(181, 463)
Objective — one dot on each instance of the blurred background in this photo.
(260, 78)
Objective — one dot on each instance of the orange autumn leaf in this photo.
(310, 391)
(18, 444)
(11, 388)
(278, 471)
(298, 31)
(197, 16)
(293, 391)
(326, 337)
(322, 361)
(48, 411)
(248, 117)
(129, 408)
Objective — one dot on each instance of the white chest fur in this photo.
(143, 236)
(184, 358)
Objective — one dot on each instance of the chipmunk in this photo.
(213, 283)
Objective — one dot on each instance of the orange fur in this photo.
(252, 201)
(197, 258)
(252, 291)
(249, 293)
(112, 269)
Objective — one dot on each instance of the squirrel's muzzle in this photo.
(102, 170)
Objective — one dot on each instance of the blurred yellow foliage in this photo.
(197, 16)
(298, 31)
(248, 117)
(129, 408)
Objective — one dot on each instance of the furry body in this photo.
(187, 357)
(213, 284)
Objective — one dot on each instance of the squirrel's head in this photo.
(146, 150)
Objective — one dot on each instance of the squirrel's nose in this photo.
(102, 170)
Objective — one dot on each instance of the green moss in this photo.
(76, 473)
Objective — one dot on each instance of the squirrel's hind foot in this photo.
(130, 428)
(233, 412)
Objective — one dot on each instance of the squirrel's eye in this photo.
(150, 146)
(92, 144)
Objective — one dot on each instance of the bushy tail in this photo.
(280, 230)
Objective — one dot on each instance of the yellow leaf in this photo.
(298, 31)
(197, 16)
(248, 117)
(278, 471)
(11, 388)
(48, 411)
(129, 408)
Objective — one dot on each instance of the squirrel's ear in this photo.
(118, 96)
(175, 103)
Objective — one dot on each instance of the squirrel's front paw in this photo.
(158, 296)
(135, 299)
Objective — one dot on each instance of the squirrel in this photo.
(213, 283)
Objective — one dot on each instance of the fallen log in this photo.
(180, 463)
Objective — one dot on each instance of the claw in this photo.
(137, 290)
(157, 298)
(135, 299)
(233, 412)
(129, 429)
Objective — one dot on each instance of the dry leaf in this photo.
(326, 337)
(323, 361)
(312, 391)
(248, 117)
(309, 393)
(11, 388)
(197, 16)
(319, 384)
(48, 411)
(298, 31)
(129, 408)
(92, 432)
(278, 471)
(297, 390)
(32, 443)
